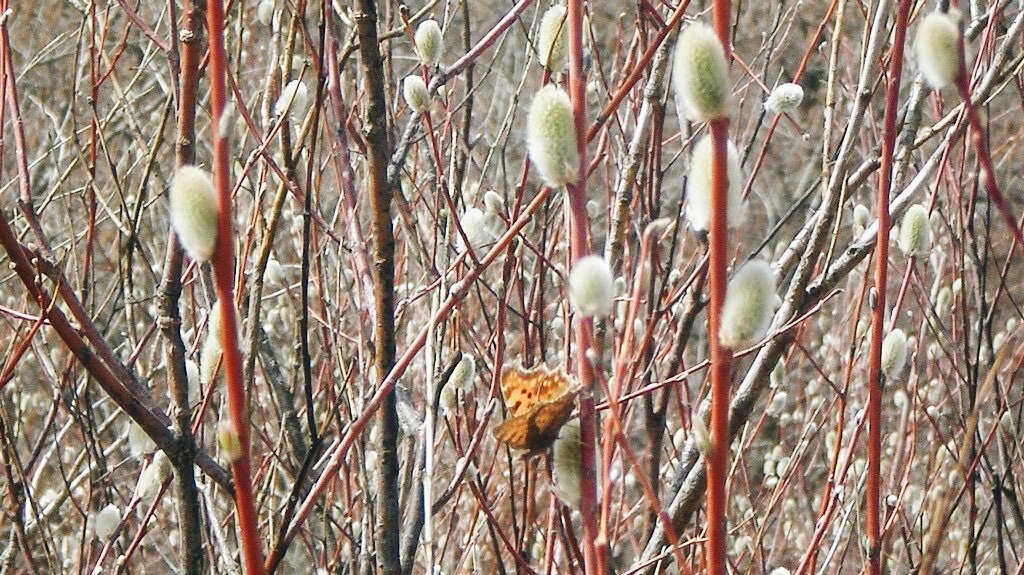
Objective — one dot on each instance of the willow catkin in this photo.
(193, 206)
(551, 136)
(749, 306)
(592, 287)
(552, 39)
(698, 187)
(936, 47)
(700, 74)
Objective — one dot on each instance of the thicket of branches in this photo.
(377, 250)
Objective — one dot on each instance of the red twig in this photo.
(979, 137)
(223, 271)
(721, 357)
(595, 543)
(892, 94)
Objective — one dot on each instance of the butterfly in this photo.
(539, 403)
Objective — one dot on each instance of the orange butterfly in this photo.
(539, 403)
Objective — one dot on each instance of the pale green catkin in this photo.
(414, 89)
(700, 74)
(936, 47)
(749, 305)
(552, 39)
(193, 206)
(429, 43)
(551, 136)
(915, 231)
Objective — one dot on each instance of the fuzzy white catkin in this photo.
(552, 39)
(153, 477)
(478, 232)
(861, 217)
(567, 465)
(894, 353)
(414, 89)
(210, 354)
(275, 272)
(139, 443)
(936, 48)
(784, 98)
(464, 374)
(265, 12)
(749, 305)
(551, 136)
(429, 42)
(494, 203)
(700, 74)
(293, 100)
(106, 521)
(193, 203)
(698, 187)
(915, 231)
(592, 287)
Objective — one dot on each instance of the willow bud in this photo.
(551, 136)
(700, 74)
(194, 211)
(749, 305)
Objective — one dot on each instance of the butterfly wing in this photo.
(514, 431)
(536, 430)
(526, 389)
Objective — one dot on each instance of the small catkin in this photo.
(265, 12)
(749, 305)
(209, 356)
(698, 187)
(494, 203)
(592, 287)
(861, 218)
(230, 444)
(567, 465)
(106, 520)
(194, 211)
(464, 374)
(474, 223)
(153, 477)
(416, 94)
(915, 231)
(139, 442)
(784, 98)
(701, 435)
(894, 353)
(293, 101)
(700, 74)
(429, 43)
(551, 136)
(936, 47)
(552, 39)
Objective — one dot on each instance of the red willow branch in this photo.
(223, 271)
(721, 358)
(595, 543)
(979, 137)
(380, 195)
(889, 132)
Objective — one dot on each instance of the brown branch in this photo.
(380, 194)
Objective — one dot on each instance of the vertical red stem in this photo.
(223, 271)
(594, 542)
(721, 358)
(892, 93)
